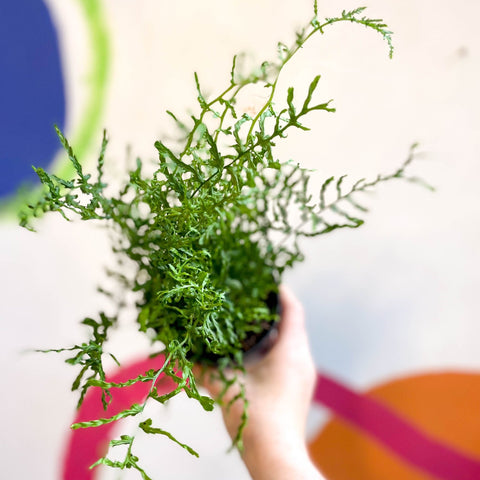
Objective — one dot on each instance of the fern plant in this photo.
(210, 232)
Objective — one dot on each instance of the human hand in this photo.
(279, 388)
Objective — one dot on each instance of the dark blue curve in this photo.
(32, 96)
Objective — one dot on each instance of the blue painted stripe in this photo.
(32, 95)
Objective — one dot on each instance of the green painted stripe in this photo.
(97, 78)
(89, 125)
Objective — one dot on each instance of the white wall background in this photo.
(398, 296)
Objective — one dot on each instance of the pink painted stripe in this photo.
(395, 433)
(85, 446)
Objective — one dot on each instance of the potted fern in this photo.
(207, 236)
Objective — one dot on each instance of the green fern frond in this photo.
(210, 233)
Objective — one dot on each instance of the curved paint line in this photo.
(84, 134)
(370, 416)
(98, 77)
(86, 445)
(394, 432)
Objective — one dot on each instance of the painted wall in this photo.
(391, 308)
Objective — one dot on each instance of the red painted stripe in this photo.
(395, 433)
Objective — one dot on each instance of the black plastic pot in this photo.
(256, 345)
(260, 344)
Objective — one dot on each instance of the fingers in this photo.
(292, 338)
(207, 377)
(215, 381)
(292, 324)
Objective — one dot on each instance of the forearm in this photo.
(280, 461)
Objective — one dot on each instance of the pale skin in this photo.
(279, 388)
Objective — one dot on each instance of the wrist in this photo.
(279, 459)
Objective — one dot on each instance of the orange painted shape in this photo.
(445, 406)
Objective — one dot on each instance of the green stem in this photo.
(291, 52)
(202, 114)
